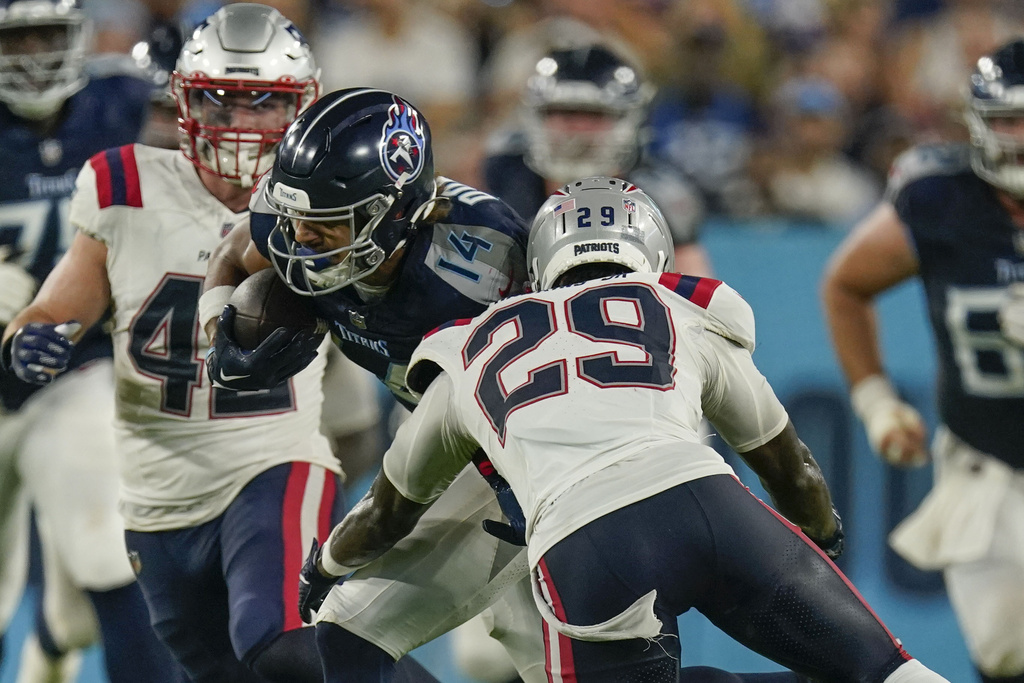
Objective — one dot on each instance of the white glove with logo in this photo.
(17, 288)
(895, 429)
(1011, 314)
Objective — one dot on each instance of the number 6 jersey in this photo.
(186, 448)
(589, 398)
(968, 251)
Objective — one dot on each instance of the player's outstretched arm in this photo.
(38, 341)
(233, 260)
(876, 256)
(794, 481)
(427, 454)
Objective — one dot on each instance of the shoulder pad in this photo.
(926, 161)
(506, 142)
(725, 311)
(463, 194)
(117, 177)
(111, 65)
(257, 202)
(678, 200)
(439, 351)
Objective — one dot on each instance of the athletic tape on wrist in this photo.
(212, 303)
(872, 393)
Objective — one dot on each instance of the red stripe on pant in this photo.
(567, 667)
(795, 529)
(291, 537)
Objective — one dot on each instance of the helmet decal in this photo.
(402, 142)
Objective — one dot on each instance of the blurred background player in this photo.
(58, 108)
(584, 113)
(954, 216)
(219, 491)
(626, 533)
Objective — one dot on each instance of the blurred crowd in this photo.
(791, 108)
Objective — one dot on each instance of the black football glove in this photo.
(282, 354)
(834, 545)
(514, 531)
(38, 352)
(314, 586)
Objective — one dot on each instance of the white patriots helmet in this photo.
(35, 83)
(597, 220)
(997, 93)
(244, 48)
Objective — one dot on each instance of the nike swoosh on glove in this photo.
(282, 354)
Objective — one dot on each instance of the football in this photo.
(264, 303)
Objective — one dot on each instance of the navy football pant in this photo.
(221, 592)
(709, 544)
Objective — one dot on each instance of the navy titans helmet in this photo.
(38, 76)
(591, 81)
(997, 97)
(360, 157)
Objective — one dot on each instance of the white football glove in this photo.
(17, 288)
(895, 429)
(1011, 314)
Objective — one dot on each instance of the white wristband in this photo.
(870, 394)
(329, 565)
(212, 303)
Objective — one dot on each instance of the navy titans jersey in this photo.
(452, 269)
(969, 251)
(511, 180)
(38, 174)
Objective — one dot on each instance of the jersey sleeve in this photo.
(438, 352)
(737, 399)
(921, 189)
(84, 213)
(725, 313)
(430, 448)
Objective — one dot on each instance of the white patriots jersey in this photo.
(589, 398)
(186, 448)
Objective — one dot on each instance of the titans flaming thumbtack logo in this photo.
(402, 141)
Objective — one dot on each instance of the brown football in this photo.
(264, 303)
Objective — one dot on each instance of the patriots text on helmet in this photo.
(612, 247)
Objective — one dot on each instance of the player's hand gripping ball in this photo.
(266, 334)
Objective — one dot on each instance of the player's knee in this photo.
(291, 657)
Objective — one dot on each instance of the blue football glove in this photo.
(834, 545)
(514, 531)
(282, 354)
(38, 352)
(314, 586)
